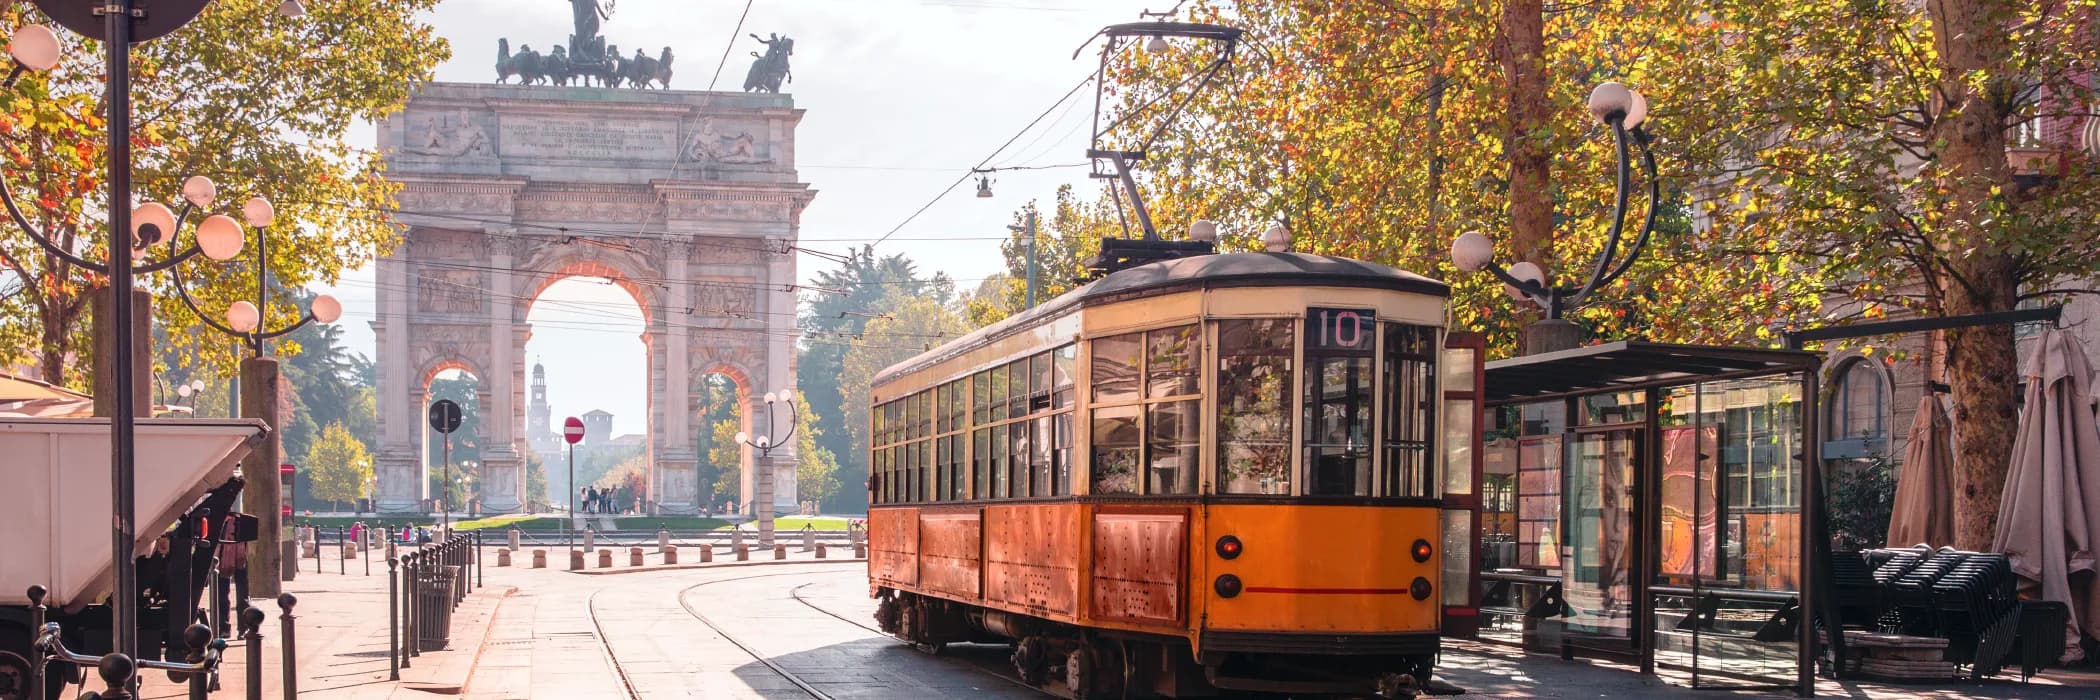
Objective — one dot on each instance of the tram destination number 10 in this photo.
(1342, 330)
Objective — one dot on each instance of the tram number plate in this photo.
(1351, 330)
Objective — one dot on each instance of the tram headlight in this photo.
(1229, 547)
(1419, 589)
(1421, 551)
(1227, 586)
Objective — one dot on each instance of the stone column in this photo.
(260, 497)
(675, 483)
(502, 466)
(779, 302)
(397, 469)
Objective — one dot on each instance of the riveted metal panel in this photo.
(1140, 559)
(1032, 557)
(893, 546)
(951, 553)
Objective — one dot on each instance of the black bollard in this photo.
(393, 621)
(36, 627)
(477, 561)
(196, 638)
(291, 650)
(342, 546)
(116, 670)
(412, 583)
(251, 636)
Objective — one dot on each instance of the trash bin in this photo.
(434, 607)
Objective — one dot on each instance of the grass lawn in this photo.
(524, 522)
(823, 524)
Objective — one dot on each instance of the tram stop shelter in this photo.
(1651, 504)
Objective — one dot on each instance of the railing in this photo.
(423, 588)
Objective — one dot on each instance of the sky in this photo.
(902, 97)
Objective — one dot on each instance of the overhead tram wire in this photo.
(980, 164)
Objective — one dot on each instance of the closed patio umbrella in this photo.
(2049, 520)
(1924, 510)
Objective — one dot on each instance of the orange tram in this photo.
(1201, 475)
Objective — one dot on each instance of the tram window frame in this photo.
(1409, 351)
(1151, 395)
(1001, 488)
(1359, 403)
(980, 464)
(1237, 374)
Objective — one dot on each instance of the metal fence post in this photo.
(477, 561)
(291, 649)
(393, 620)
(412, 583)
(251, 627)
(342, 547)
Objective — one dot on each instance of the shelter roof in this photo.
(1629, 365)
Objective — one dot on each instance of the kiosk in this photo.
(1651, 504)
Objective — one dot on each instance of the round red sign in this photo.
(572, 430)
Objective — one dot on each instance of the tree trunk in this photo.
(1970, 154)
(1529, 113)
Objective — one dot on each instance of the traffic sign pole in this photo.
(445, 418)
(572, 432)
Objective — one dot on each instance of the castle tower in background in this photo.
(539, 427)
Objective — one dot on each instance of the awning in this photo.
(21, 397)
(1629, 365)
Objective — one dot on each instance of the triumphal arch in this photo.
(688, 200)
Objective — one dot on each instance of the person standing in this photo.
(233, 580)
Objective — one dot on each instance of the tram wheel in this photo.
(887, 616)
(1030, 660)
(1080, 674)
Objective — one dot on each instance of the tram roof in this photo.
(1184, 274)
(1629, 365)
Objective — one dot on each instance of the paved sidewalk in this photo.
(342, 642)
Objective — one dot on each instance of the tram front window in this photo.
(1339, 403)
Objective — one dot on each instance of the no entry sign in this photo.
(572, 430)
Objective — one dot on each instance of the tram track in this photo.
(785, 674)
(796, 593)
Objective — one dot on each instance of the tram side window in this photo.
(1116, 445)
(1062, 361)
(981, 464)
(1254, 405)
(1410, 371)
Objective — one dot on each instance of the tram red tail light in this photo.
(1227, 586)
(1229, 547)
(1419, 589)
(1421, 551)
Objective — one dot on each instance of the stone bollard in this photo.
(780, 551)
(502, 557)
(670, 555)
(590, 540)
(707, 554)
(809, 540)
(515, 538)
(663, 540)
(736, 538)
(605, 558)
(576, 560)
(634, 556)
(743, 553)
(820, 550)
(860, 550)
(539, 558)
(349, 552)
(313, 550)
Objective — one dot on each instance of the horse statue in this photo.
(638, 71)
(527, 65)
(659, 70)
(504, 68)
(556, 66)
(770, 71)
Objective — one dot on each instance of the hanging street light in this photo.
(1624, 111)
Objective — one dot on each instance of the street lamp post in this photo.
(1624, 111)
(762, 488)
(117, 24)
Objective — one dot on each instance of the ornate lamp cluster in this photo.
(764, 443)
(1624, 111)
(220, 237)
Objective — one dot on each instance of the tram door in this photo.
(1463, 374)
(1597, 580)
